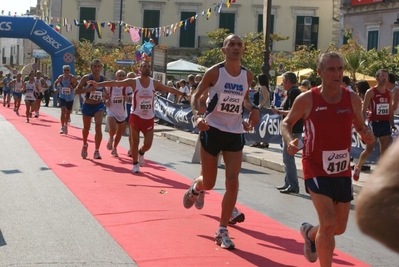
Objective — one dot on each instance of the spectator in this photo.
(278, 96)
(304, 86)
(185, 99)
(391, 86)
(252, 91)
(362, 86)
(346, 82)
(171, 96)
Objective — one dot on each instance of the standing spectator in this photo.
(326, 153)
(171, 97)
(252, 91)
(391, 86)
(304, 86)
(222, 130)
(48, 91)
(361, 87)
(291, 185)
(346, 82)
(264, 102)
(278, 96)
(186, 91)
(377, 101)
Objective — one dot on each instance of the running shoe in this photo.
(84, 151)
(356, 173)
(309, 247)
(17, 112)
(189, 197)
(27, 120)
(223, 240)
(199, 203)
(114, 153)
(62, 130)
(8, 105)
(141, 160)
(96, 154)
(66, 129)
(236, 216)
(36, 114)
(136, 168)
(109, 144)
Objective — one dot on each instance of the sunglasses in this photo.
(66, 70)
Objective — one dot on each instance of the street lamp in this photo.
(264, 77)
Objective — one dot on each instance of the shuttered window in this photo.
(227, 21)
(307, 31)
(187, 31)
(395, 42)
(88, 14)
(151, 21)
(372, 39)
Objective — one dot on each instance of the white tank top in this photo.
(18, 86)
(225, 101)
(117, 105)
(30, 90)
(143, 100)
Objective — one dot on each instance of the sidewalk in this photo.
(270, 158)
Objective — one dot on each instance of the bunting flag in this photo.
(220, 7)
(58, 28)
(111, 26)
(185, 24)
(99, 30)
(76, 22)
(228, 3)
(93, 25)
(65, 21)
(208, 13)
(192, 19)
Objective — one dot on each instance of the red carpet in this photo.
(145, 215)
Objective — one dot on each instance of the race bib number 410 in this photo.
(336, 161)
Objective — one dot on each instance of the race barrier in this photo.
(267, 130)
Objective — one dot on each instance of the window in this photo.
(395, 42)
(151, 22)
(372, 39)
(88, 14)
(307, 31)
(187, 31)
(227, 21)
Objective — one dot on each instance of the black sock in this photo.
(141, 152)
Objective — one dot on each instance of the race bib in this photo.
(335, 161)
(383, 109)
(96, 95)
(66, 90)
(230, 104)
(117, 99)
(29, 96)
(145, 104)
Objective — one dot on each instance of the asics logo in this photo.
(337, 156)
(231, 99)
(40, 32)
(320, 108)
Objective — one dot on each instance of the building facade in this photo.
(373, 23)
(305, 22)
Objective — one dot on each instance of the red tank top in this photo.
(328, 137)
(379, 106)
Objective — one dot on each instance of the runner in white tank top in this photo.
(18, 85)
(30, 88)
(142, 115)
(116, 113)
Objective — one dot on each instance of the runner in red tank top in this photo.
(378, 101)
(328, 112)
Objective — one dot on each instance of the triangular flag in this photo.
(180, 24)
(208, 13)
(65, 21)
(220, 7)
(76, 22)
(98, 28)
(228, 3)
(185, 24)
(93, 26)
(111, 26)
(192, 19)
(58, 27)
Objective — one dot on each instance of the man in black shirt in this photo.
(291, 178)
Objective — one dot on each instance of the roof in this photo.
(182, 66)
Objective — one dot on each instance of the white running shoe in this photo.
(36, 114)
(62, 130)
(84, 151)
(109, 144)
(141, 160)
(189, 198)
(236, 216)
(114, 153)
(136, 168)
(96, 154)
(223, 240)
(309, 247)
(199, 203)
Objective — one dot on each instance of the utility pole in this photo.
(266, 52)
(120, 20)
